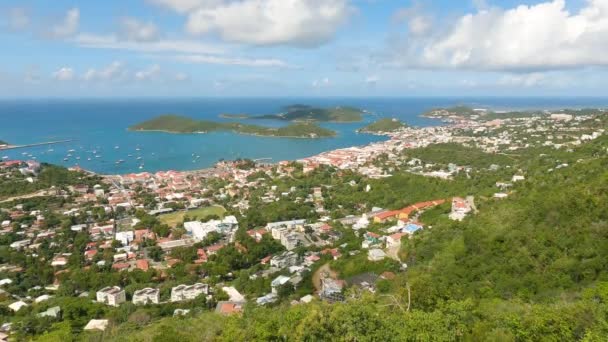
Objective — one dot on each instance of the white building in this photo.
(188, 292)
(460, 209)
(146, 296)
(111, 295)
(234, 294)
(277, 282)
(376, 255)
(124, 237)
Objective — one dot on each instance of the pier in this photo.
(14, 147)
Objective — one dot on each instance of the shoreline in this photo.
(230, 131)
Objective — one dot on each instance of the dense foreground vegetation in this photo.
(530, 267)
(180, 124)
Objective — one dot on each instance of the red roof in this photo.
(143, 264)
(230, 308)
(120, 266)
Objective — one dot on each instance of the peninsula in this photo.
(181, 124)
(385, 125)
(305, 113)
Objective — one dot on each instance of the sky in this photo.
(281, 48)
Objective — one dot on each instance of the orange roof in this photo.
(230, 308)
(143, 264)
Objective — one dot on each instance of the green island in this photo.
(384, 125)
(2, 142)
(234, 116)
(181, 124)
(305, 113)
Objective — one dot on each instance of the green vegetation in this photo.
(234, 116)
(308, 113)
(50, 175)
(383, 125)
(2, 142)
(173, 219)
(180, 124)
(460, 155)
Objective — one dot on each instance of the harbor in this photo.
(14, 147)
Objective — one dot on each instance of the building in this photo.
(376, 255)
(111, 295)
(146, 296)
(188, 292)
(394, 240)
(331, 289)
(97, 324)
(284, 259)
(229, 307)
(278, 282)
(460, 209)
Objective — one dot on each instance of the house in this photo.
(279, 281)
(460, 209)
(146, 296)
(394, 240)
(267, 299)
(111, 295)
(188, 292)
(331, 289)
(376, 254)
(142, 264)
(334, 252)
(229, 307)
(412, 227)
(234, 294)
(51, 312)
(125, 237)
(97, 324)
(16, 306)
(284, 259)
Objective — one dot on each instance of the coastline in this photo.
(230, 131)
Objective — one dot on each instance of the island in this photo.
(3, 143)
(181, 124)
(385, 125)
(234, 116)
(456, 113)
(305, 113)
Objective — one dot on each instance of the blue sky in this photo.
(73, 48)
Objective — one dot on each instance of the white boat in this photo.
(117, 147)
(77, 158)
(65, 159)
(120, 161)
(51, 150)
(89, 159)
(71, 150)
(5, 157)
(138, 149)
(97, 156)
(138, 158)
(141, 167)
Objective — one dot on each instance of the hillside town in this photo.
(244, 233)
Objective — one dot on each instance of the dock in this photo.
(14, 147)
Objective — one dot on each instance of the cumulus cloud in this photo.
(148, 74)
(64, 74)
(18, 19)
(321, 83)
(116, 43)
(544, 36)
(418, 22)
(114, 71)
(265, 22)
(135, 30)
(68, 26)
(250, 62)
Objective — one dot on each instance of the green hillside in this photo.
(383, 125)
(180, 124)
(309, 113)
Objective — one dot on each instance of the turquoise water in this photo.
(99, 128)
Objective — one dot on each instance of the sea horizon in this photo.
(98, 126)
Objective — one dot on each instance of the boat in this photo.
(129, 155)
(138, 158)
(138, 149)
(5, 157)
(65, 159)
(97, 156)
(141, 167)
(89, 159)
(120, 161)
(51, 150)
(117, 147)
(77, 158)
(69, 155)
(72, 150)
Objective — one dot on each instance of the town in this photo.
(324, 228)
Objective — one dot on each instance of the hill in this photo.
(181, 124)
(309, 113)
(383, 126)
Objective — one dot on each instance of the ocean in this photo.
(98, 128)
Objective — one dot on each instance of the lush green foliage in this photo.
(300, 112)
(180, 124)
(383, 125)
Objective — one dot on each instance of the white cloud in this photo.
(181, 77)
(418, 23)
(183, 6)
(115, 43)
(136, 30)
(321, 83)
(372, 80)
(68, 26)
(544, 36)
(18, 19)
(148, 74)
(64, 74)
(250, 62)
(114, 71)
(265, 22)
